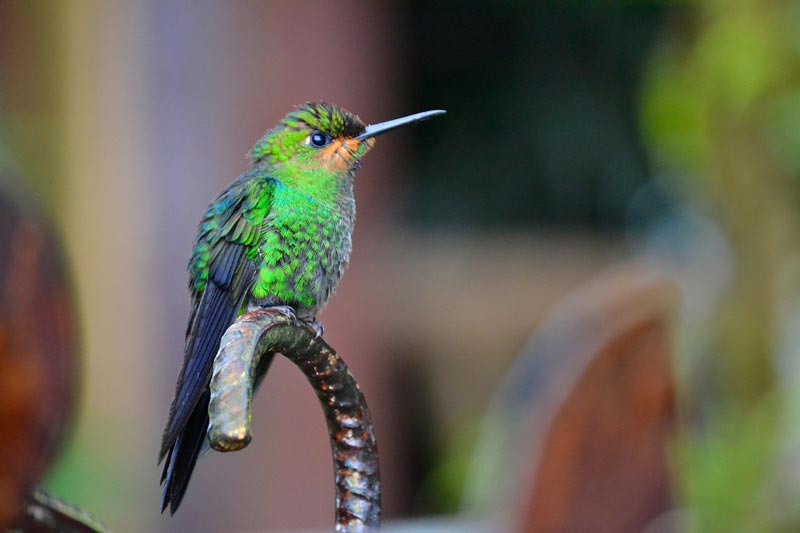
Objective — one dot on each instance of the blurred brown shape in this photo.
(37, 350)
(608, 391)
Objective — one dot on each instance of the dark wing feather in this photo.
(217, 310)
(230, 228)
(183, 456)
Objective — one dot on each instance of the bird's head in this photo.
(320, 137)
(314, 137)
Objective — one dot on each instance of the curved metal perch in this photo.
(262, 333)
(45, 513)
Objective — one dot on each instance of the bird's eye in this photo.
(319, 139)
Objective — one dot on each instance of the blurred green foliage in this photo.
(726, 473)
(734, 68)
(721, 109)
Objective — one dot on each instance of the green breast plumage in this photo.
(270, 244)
(304, 248)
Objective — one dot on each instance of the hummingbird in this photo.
(279, 235)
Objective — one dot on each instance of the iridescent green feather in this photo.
(235, 217)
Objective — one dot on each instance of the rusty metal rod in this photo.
(262, 333)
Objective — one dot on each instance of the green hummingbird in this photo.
(279, 235)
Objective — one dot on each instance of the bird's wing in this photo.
(221, 271)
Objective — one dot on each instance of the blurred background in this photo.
(586, 148)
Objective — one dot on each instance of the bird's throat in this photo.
(342, 154)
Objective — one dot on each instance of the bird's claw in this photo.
(319, 329)
(287, 311)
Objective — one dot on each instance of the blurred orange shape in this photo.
(37, 351)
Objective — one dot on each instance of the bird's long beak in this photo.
(373, 130)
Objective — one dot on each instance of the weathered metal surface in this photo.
(44, 513)
(263, 333)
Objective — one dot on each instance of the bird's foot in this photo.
(287, 311)
(312, 323)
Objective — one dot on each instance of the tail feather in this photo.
(183, 455)
(190, 443)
